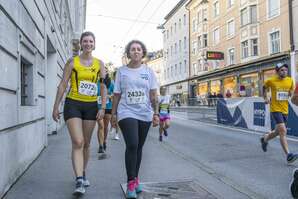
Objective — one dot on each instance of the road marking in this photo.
(231, 128)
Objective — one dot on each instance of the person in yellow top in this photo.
(80, 108)
(281, 87)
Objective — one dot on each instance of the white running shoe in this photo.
(80, 189)
(116, 136)
(86, 183)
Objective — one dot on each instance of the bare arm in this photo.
(154, 100)
(116, 99)
(62, 87)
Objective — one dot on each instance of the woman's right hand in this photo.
(114, 121)
(55, 114)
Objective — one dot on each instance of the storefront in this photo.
(215, 86)
(179, 92)
(230, 85)
(250, 83)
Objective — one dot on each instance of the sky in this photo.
(116, 22)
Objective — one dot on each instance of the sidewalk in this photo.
(51, 176)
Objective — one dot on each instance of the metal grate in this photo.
(173, 190)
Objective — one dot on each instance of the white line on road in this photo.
(230, 128)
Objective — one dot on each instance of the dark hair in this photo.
(85, 34)
(107, 81)
(280, 65)
(127, 48)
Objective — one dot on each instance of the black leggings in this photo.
(134, 132)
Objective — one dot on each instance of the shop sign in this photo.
(214, 55)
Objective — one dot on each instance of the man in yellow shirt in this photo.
(281, 87)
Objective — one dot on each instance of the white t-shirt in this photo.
(134, 85)
(164, 99)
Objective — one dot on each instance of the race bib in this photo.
(87, 88)
(135, 96)
(282, 96)
(163, 111)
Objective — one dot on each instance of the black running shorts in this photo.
(79, 109)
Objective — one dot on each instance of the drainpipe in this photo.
(292, 44)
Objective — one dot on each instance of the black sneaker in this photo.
(291, 157)
(165, 132)
(100, 150)
(294, 184)
(264, 144)
(104, 146)
(160, 138)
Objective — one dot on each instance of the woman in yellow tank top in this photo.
(80, 109)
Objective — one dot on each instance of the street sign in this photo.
(214, 55)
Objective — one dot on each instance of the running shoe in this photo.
(160, 138)
(139, 187)
(131, 189)
(291, 157)
(80, 189)
(165, 132)
(294, 184)
(86, 182)
(264, 144)
(101, 150)
(104, 146)
(116, 136)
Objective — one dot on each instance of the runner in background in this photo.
(281, 87)
(164, 113)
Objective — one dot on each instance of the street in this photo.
(228, 163)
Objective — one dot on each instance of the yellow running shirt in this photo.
(280, 89)
(84, 80)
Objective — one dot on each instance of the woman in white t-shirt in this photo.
(135, 104)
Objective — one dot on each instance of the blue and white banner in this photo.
(252, 113)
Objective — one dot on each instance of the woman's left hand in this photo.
(100, 114)
(155, 120)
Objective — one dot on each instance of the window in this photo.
(27, 98)
(165, 73)
(179, 23)
(194, 25)
(167, 34)
(199, 65)
(194, 66)
(274, 42)
(231, 58)
(205, 40)
(164, 36)
(273, 8)
(184, 43)
(231, 28)
(216, 9)
(176, 70)
(199, 16)
(180, 68)
(172, 71)
(254, 47)
(244, 49)
(180, 46)
(171, 50)
(216, 36)
(244, 17)
(184, 19)
(253, 14)
(175, 27)
(175, 48)
(185, 66)
(205, 14)
(199, 42)
(168, 72)
(194, 47)
(171, 30)
(230, 3)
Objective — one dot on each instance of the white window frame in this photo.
(247, 16)
(267, 10)
(269, 41)
(216, 11)
(251, 47)
(242, 51)
(229, 57)
(230, 6)
(234, 29)
(215, 42)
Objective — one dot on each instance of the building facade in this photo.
(236, 44)
(294, 7)
(35, 42)
(176, 51)
(156, 62)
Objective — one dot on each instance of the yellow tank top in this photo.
(83, 81)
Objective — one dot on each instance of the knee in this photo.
(166, 126)
(78, 144)
(282, 131)
(132, 147)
